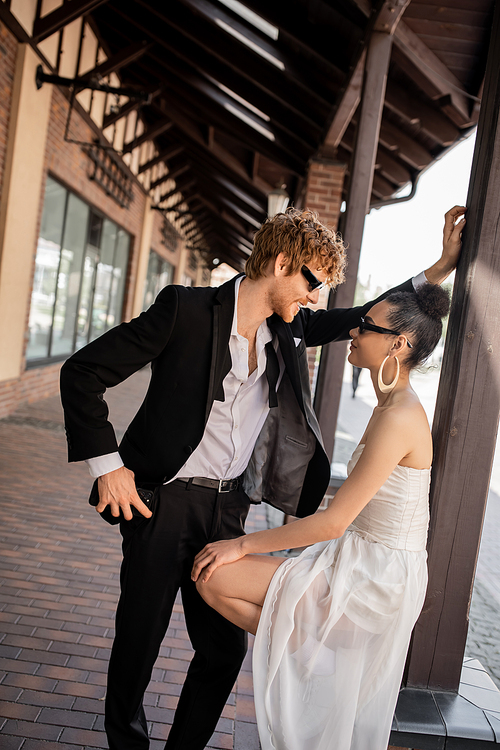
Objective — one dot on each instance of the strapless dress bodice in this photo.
(398, 514)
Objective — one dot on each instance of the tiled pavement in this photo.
(59, 570)
(59, 586)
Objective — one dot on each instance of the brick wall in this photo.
(324, 190)
(325, 182)
(158, 245)
(33, 385)
(68, 163)
(8, 49)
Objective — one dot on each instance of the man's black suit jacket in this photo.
(185, 336)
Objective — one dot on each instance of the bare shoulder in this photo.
(403, 413)
(405, 421)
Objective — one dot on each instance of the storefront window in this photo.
(160, 273)
(46, 270)
(80, 272)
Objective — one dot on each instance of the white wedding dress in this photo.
(331, 644)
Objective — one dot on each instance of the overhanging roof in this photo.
(243, 102)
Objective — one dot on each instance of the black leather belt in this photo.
(221, 485)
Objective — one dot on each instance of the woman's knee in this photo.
(208, 590)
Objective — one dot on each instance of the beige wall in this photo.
(20, 207)
(142, 262)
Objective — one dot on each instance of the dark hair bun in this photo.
(433, 300)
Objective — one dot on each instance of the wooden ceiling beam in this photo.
(234, 128)
(152, 132)
(124, 57)
(349, 101)
(225, 216)
(216, 156)
(233, 247)
(243, 240)
(215, 181)
(432, 121)
(235, 190)
(300, 25)
(412, 152)
(240, 212)
(215, 184)
(60, 17)
(223, 108)
(164, 155)
(275, 118)
(432, 76)
(382, 188)
(384, 161)
(241, 59)
(173, 176)
(435, 78)
(123, 111)
(391, 168)
(187, 128)
(296, 64)
(179, 47)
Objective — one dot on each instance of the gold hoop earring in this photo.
(390, 386)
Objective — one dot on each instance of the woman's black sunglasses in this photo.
(364, 326)
(315, 285)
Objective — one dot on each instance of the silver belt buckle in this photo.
(220, 486)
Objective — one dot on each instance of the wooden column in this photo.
(467, 411)
(331, 369)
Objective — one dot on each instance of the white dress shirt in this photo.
(233, 424)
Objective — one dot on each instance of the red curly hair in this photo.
(302, 238)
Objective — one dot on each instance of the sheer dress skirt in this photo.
(331, 644)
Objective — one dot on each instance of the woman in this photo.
(333, 625)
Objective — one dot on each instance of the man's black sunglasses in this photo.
(315, 285)
(364, 326)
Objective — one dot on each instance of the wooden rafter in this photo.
(123, 111)
(237, 198)
(61, 17)
(407, 148)
(179, 47)
(276, 118)
(310, 35)
(243, 60)
(119, 60)
(297, 64)
(188, 131)
(431, 120)
(152, 132)
(164, 155)
(435, 78)
(232, 127)
(349, 102)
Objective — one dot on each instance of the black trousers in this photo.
(157, 559)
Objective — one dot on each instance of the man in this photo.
(227, 417)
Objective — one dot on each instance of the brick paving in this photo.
(59, 584)
(59, 567)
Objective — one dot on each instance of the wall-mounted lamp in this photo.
(277, 201)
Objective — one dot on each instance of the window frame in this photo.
(33, 362)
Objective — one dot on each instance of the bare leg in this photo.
(238, 590)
